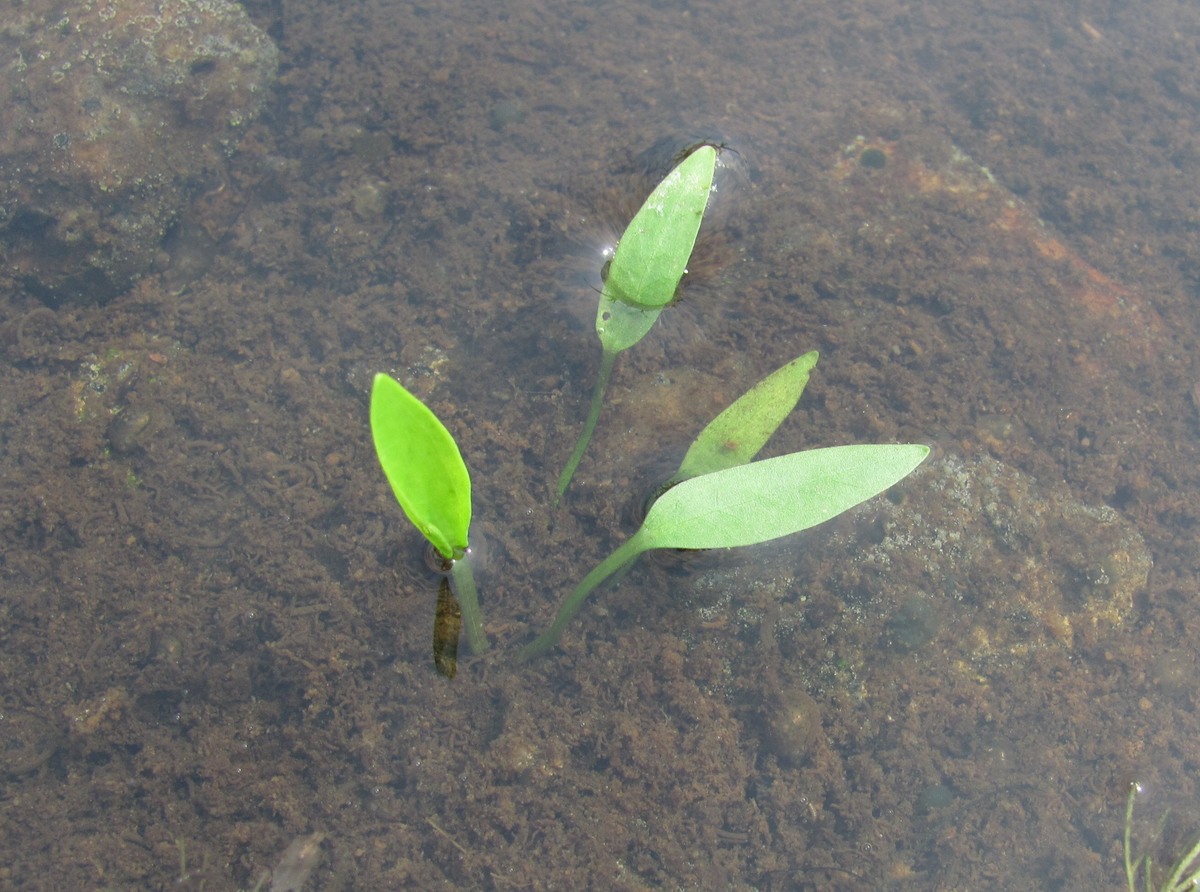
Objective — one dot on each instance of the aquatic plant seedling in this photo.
(430, 481)
(748, 504)
(644, 274)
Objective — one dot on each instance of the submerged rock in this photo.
(1032, 564)
(114, 115)
(793, 726)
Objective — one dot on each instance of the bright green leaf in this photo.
(736, 435)
(422, 463)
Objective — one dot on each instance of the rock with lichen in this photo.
(1030, 565)
(115, 113)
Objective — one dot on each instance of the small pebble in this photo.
(793, 727)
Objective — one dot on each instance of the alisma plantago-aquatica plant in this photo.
(719, 498)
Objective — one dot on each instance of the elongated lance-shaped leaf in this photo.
(621, 325)
(422, 463)
(774, 497)
(748, 504)
(644, 274)
(736, 435)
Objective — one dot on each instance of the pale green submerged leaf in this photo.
(621, 325)
(653, 252)
(649, 261)
(746, 505)
(736, 435)
(423, 465)
(775, 497)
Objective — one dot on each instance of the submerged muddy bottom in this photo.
(216, 625)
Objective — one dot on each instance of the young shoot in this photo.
(430, 481)
(647, 266)
(748, 504)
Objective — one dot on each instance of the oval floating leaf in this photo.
(423, 465)
(736, 435)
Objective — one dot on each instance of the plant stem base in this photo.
(468, 598)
